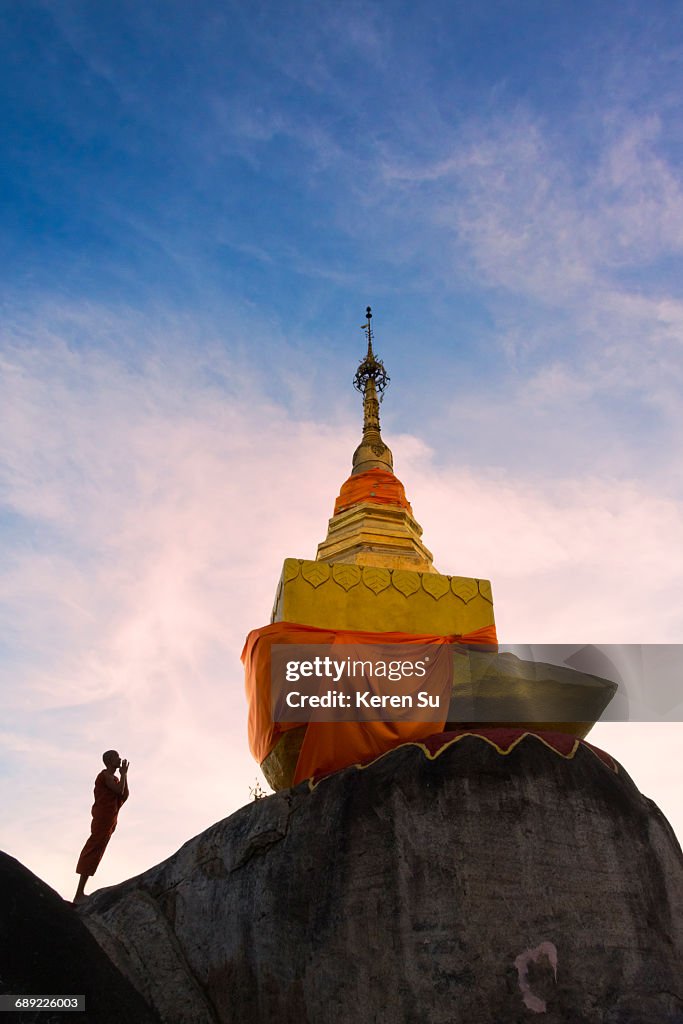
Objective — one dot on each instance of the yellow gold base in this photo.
(375, 599)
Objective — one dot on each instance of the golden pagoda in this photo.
(373, 580)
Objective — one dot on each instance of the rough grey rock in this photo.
(45, 950)
(472, 887)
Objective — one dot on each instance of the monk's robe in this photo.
(104, 814)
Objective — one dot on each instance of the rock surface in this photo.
(46, 950)
(473, 886)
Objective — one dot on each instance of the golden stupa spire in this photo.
(373, 523)
(371, 379)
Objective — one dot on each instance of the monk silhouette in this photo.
(110, 793)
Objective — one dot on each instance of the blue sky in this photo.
(500, 184)
(198, 203)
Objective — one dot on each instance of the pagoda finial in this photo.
(371, 368)
(371, 380)
(367, 326)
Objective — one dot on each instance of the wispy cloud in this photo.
(582, 261)
(538, 221)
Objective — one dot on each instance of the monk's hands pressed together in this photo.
(123, 771)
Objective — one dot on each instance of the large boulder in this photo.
(475, 879)
(46, 950)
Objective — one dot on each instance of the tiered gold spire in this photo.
(373, 523)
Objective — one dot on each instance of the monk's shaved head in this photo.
(111, 757)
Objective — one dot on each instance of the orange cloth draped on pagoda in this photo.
(330, 746)
(105, 812)
(378, 486)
